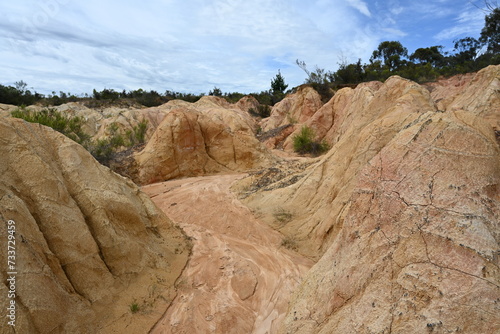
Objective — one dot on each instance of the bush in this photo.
(69, 126)
(263, 111)
(282, 215)
(140, 131)
(289, 243)
(304, 143)
(134, 307)
(102, 150)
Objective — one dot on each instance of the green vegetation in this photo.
(19, 95)
(423, 65)
(103, 150)
(67, 125)
(319, 79)
(215, 92)
(304, 143)
(263, 111)
(138, 134)
(134, 307)
(278, 88)
(71, 126)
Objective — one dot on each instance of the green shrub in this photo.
(101, 150)
(263, 111)
(134, 307)
(70, 126)
(140, 131)
(304, 143)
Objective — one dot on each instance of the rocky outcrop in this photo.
(401, 217)
(88, 242)
(294, 109)
(6, 109)
(97, 121)
(417, 249)
(481, 96)
(332, 120)
(207, 137)
(402, 213)
(369, 121)
(223, 135)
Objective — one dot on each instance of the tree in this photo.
(490, 34)
(21, 86)
(303, 66)
(278, 85)
(431, 55)
(319, 76)
(319, 79)
(391, 52)
(466, 49)
(349, 73)
(215, 92)
(489, 5)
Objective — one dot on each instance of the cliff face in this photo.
(417, 248)
(295, 108)
(88, 242)
(402, 213)
(207, 137)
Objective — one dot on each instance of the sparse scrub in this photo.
(71, 126)
(263, 111)
(289, 243)
(101, 150)
(304, 143)
(140, 131)
(104, 149)
(291, 120)
(282, 215)
(134, 307)
(67, 125)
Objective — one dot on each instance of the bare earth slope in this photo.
(239, 278)
(418, 247)
(403, 213)
(88, 242)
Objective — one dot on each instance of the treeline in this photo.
(425, 64)
(19, 95)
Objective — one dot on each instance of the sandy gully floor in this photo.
(239, 278)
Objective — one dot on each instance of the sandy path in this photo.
(239, 278)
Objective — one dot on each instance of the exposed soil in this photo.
(241, 273)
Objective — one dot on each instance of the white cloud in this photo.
(468, 22)
(361, 6)
(193, 45)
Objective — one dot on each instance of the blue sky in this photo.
(194, 45)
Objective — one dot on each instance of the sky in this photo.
(192, 46)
